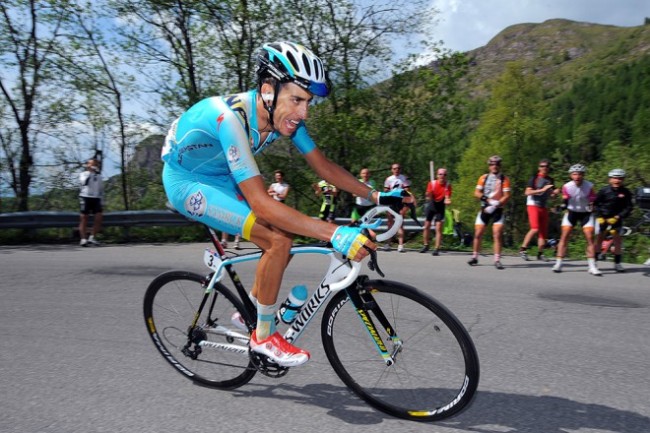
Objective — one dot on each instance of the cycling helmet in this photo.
(292, 63)
(617, 172)
(495, 159)
(577, 168)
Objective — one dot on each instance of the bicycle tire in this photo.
(170, 304)
(434, 376)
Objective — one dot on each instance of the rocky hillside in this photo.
(558, 51)
(147, 155)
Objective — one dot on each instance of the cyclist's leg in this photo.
(479, 229)
(439, 219)
(588, 230)
(439, 229)
(567, 226)
(217, 202)
(497, 233)
(276, 245)
(542, 228)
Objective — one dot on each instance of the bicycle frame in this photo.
(341, 274)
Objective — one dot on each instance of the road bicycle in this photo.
(393, 345)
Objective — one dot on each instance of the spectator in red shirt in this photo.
(438, 195)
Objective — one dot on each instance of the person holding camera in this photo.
(90, 201)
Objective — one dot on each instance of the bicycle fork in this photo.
(364, 303)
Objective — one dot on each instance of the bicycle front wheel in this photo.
(213, 352)
(432, 370)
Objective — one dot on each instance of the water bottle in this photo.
(292, 304)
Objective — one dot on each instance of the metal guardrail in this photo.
(136, 218)
(43, 220)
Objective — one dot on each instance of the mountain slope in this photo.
(558, 51)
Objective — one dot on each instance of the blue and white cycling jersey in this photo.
(219, 136)
(209, 150)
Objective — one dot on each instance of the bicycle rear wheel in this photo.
(435, 369)
(214, 352)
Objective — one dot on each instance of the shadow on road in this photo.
(490, 411)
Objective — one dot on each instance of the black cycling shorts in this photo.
(90, 205)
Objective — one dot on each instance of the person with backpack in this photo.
(493, 191)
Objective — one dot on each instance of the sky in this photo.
(468, 24)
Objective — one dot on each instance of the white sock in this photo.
(265, 320)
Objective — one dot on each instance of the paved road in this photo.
(559, 352)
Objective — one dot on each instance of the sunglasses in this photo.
(543, 166)
(494, 163)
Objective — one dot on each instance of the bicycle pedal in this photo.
(267, 367)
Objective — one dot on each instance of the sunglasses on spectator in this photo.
(543, 166)
(494, 163)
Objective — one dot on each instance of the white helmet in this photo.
(577, 168)
(617, 172)
(494, 159)
(291, 62)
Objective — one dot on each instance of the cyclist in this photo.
(578, 195)
(493, 189)
(613, 203)
(211, 176)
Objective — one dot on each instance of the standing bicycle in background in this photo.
(613, 203)
(438, 196)
(210, 175)
(493, 190)
(91, 197)
(539, 189)
(578, 195)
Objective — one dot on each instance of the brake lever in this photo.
(372, 262)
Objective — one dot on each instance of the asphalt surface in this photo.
(559, 353)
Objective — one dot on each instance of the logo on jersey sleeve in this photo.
(233, 155)
(196, 204)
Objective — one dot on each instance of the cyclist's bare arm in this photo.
(270, 212)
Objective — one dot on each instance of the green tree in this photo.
(89, 66)
(514, 127)
(29, 31)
